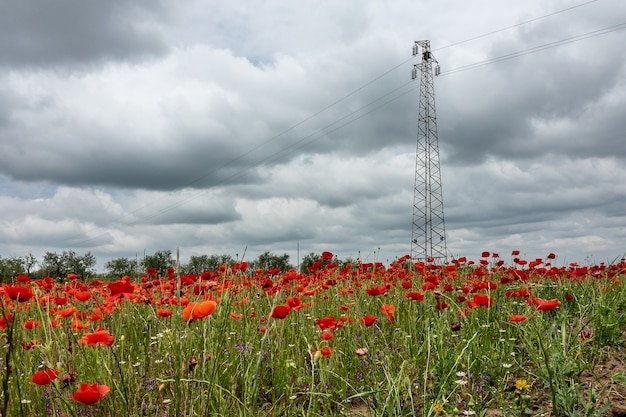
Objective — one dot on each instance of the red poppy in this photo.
(415, 296)
(280, 312)
(326, 351)
(29, 345)
(89, 394)
(164, 312)
(327, 256)
(368, 320)
(82, 295)
(480, 300)
(327, 335)
(236, 316)
(22, 278)
(31, 324)
(18, 293)
(3, 323)
(441, 305)
(195, 311)
(328, 322)
(545, 305)
(517, 318)
(99, 337)
(44, 377)
(294, 302)
(373, 291)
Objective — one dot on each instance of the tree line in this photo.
(60, 265)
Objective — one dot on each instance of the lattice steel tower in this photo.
(428, 236)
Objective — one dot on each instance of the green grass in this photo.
(416, 364)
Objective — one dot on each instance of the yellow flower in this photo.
(438, 408)
(522, 385)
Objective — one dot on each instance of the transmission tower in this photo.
(428, 236)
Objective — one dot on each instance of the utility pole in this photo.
(428, 236)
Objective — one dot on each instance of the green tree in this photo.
(269, 260)
(204, 263)
(308, 261)
(120, 267)
(60, 265)
(161, 261)
(10, 268)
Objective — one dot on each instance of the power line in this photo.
(484, 35)
(539, 48)
(291, 148)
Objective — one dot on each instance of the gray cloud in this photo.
(41, 35)
(216, 128)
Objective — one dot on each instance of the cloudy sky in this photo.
(131, 126)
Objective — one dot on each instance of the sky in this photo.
(133, 126)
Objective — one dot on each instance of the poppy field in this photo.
(490, 337)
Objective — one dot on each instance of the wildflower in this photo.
(44, 377)
(522, 385)
(31, 324)
(100, 336)
(517, 318)
(18, 293)
(327, 256)
(456, 326)
(82, 295)
(327, 335)
(388, 309)
(368, 320)
(89, 394)
(164, 312)
(415, 296)
(545, 305)
(280, 312)
(438, 408)
(361, 351)
(326, 351)
(195, 311)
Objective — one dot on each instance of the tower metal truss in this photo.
(428, 236)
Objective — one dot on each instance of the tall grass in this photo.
(419, 360)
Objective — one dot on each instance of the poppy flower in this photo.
(89, 394)
(280, 312)
(327, 335)
(326, 351)
(99, 337)
(44, 377)
(368, 320)
(546, 305)
(517, 318)
(327, 256)
(195, 311)
(294, 302)
(31, 324)
(18, 293)
(29, 345)
(164, 312)
(236, 316)
(3, 323)
(328, 322)
(82, 295)
(415, 296)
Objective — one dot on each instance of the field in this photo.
(490, 337)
